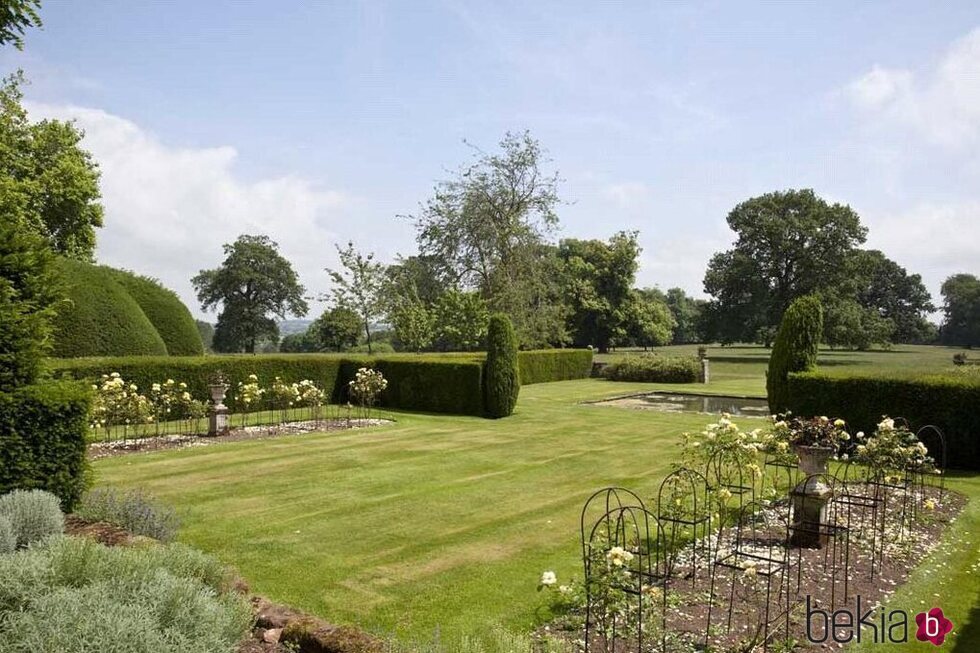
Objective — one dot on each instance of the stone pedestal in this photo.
(218, 417)
(705, 373)
(810, 499)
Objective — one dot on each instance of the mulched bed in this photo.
(810, 572)
(98, 450)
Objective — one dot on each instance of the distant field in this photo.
(741, 369)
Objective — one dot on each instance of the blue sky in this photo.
(316, 123)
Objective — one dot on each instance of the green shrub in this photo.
(28, 289)
(168, 315)
(42, 439)
(73, 594)
(33, 515)
(654, 368)
(8, 539)
(502, 378)
(947, 402)
(132, 510)
(795, 349)
(100, 318)
(546, 365)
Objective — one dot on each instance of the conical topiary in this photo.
(795, 348)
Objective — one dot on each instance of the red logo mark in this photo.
(933, 626)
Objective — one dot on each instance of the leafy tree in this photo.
(299, 343)
(460, 320)
(28, 292)
(414, 325)
(647, 320)
(847, 323)
(961, 308)
(47, 181)
(359, 286)
(337, 329)
(789, 244)
(253, 282)
(486, 228)
(883, 286)
(206, 331)
(599, 277)
(502, 376)
(415, 277)
(15, 17)
(795, 350)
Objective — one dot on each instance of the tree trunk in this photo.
(367, 330)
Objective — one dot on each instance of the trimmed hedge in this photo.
(546, 365)
(949, 403)
(196, 371)
(168, 315)
(437, 385)
(654, 368)
(42, 439)
(444, 383)
(100, 318)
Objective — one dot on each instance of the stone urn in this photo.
(810, 498)
(218, 419)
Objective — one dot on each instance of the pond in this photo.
(692, 403)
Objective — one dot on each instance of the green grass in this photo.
(441, 522)
(741, 369)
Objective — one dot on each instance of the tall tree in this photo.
(414, 325)
(599, 276)
(359, 285)
(15, 17)
(961, 308)
(254, 281)
(647, 320)
(884, 286)
(486, 227)
(789, 244)
(460, 320)
(337, 329)
(687, 316)
(47, 181)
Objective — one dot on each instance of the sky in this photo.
(316, 123)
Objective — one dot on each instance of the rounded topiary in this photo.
(795, 349)
(100, 318)
(502, 380)
(171, 318)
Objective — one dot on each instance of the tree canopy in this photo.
(252, 282)
(789, 244)
(359, 285)
(48, 183)
(15, 17)
(961, 309)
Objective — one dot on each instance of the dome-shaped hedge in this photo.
(100, 318)
(171, 318)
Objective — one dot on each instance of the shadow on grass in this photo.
(968, 634)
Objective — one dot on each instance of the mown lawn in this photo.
(440, 523)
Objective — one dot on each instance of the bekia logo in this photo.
(875, 623)
(933, 626)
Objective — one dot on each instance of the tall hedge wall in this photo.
(100, 318)
(950, 404)
(42, 439)
(168, 315)
(437, 385)
(546, 365)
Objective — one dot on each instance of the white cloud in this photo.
(942, 105)
(935, 239)
(628, 194)
(169, 209)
